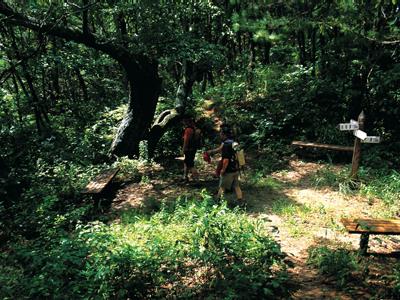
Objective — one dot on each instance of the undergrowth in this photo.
(338, 263)
(187, 250)
(381, 184)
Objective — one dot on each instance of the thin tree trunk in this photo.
(313, 48)
(17, 98)
(251, 65)
(267, 49)
(302, 47)
(82, 84)
(39, 112)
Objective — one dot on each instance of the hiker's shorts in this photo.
(229, 180)
(189, 158)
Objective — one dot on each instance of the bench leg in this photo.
(364, 243)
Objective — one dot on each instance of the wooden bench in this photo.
(322, 146)
(365, 227)
(98, 184)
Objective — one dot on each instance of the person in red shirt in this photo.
(189, 149)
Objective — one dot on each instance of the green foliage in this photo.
(384, 185)
(380, 184)
(396, 278)
(336, 178)
(140, 256)
(338, 263)
(312, 65)
(128, 168)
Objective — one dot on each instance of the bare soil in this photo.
(301, 216)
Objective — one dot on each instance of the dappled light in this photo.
(199, 149)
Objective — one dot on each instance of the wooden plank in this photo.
(372, 221)
(100, 182)
(322, 146)
(372, 226)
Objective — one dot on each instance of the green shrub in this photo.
(339, 263)
(384, 185)
(338, 179)
(396, 279)
(140, 257)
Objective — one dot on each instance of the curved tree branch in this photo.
(118, 52)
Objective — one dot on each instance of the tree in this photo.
(136, 36)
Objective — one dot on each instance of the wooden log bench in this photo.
(322, 146)
(365, 227)
(100, 182)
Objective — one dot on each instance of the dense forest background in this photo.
(85, 84)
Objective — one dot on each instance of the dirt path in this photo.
(300, 216)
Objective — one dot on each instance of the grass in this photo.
(339, 263)
(381, 184)
(261, 181)
(299, 218)
(190, 248)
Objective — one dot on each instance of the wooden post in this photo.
(364, 243)
(357, 148)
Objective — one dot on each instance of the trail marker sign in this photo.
(372, 139)
(360, 134)
(348, 126)
(361, 137)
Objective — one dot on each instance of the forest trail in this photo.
(300, 216)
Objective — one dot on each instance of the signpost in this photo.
(361, 137)
(360, 134)
(348, 126)
(372, 139)
(355, 162)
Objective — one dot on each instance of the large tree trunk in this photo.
(145, 85)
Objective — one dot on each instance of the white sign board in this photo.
(348, 126)
(353, 122)
(372, 139)
(360, 134)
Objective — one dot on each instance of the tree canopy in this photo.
(86, 85)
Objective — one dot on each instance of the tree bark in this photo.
(170, 117)
(251, 65)
(144, 90)
(313, 53)
(17, 99)
(85, 97)
(302, 47)
(266, 52)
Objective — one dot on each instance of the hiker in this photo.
(218, 150)
(189, 149)
(229, 172)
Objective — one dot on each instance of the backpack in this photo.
(196, 140)
(238, 154)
